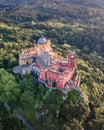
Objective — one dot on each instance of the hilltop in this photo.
(69, 24)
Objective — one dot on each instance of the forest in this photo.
(77, 24)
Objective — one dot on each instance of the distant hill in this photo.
(78, 2)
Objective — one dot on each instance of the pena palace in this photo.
(49, 68)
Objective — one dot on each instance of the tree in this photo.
(9, 95)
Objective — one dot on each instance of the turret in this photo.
(72, 59)
(44, 45)
(41, 43)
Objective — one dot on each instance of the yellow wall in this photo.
(46, 45)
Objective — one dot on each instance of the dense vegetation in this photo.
(67, 22)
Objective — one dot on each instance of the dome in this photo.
(42, 40)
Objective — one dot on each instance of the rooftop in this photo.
(42, 40)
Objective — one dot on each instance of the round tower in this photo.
(43, 45)
(72, 59)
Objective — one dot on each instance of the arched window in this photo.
(54, 84)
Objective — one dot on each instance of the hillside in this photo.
(79, 24)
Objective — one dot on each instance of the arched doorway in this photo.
(54, 84)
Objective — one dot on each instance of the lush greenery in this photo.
(66, 22)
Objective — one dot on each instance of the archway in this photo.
(54, 84)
